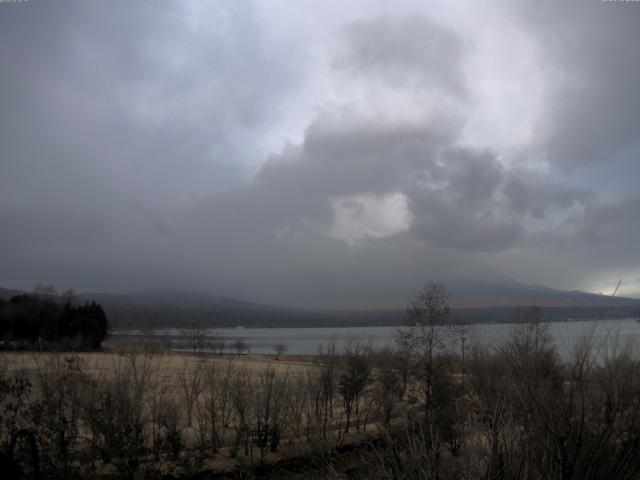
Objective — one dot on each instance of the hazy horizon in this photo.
(321, 155)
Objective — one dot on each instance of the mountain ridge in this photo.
(470, 302)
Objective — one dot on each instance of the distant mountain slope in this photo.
(471, 302)
(180, 308)
(7, 293)
(480, 295)
(174, 298)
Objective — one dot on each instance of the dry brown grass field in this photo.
(515, 411)
(169, 364)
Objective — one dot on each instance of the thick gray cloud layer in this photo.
(591, 115)
(407, 51)
(144, 144)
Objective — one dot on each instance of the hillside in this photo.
(472, 303)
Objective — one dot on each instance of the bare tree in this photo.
(218, 342)
(61, 383)
(240, 346)
(271, 397)
(328, 376)
(115, 415)
(192, 382)
(196, 337)
(165, 429)
(428, 329)
(214, 412)
(299, 407)
(353, 378)
(241, 392)
(279, 349)
(389, 384)
(428, 338)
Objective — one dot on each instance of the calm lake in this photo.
(620, 332)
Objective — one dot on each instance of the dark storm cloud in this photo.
(533, 195)
(613, 224)
(130, 133)
(456, 204)
(115, 115)
(459, 200)
(130, 92)
(343, 154)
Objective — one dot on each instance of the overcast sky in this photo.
(319, 153)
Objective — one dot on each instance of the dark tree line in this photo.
(47, 320)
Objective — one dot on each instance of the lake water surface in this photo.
(307, 340)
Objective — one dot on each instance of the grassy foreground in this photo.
(513, 411)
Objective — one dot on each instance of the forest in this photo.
(45, 320)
